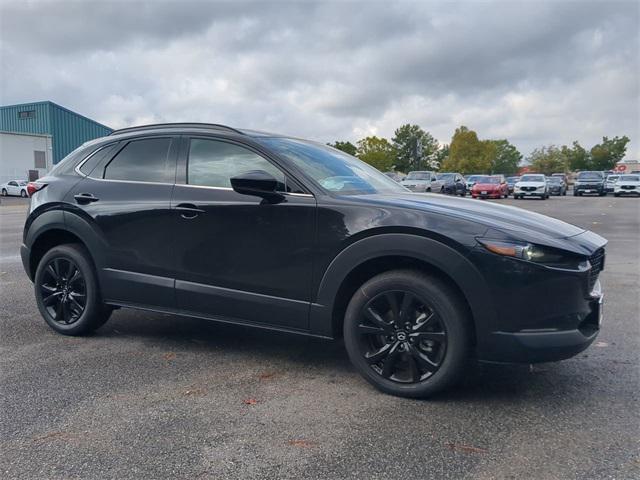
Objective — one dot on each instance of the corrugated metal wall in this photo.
(68, 129)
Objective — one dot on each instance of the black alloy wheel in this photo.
(67, 293)
(408, 333)
(63, 291)
(401, 337)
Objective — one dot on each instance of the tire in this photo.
(23, 194)
(4, 192)
(70, 316)
(431, 354)
(616, 194)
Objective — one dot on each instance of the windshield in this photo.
(445, 176)
(555, 180)
(590, 176)
(532, 178)
(22, 184)
(512, 179)
(418, 176)
(629, 178)
(487, 179)
(612, 178)
(332, 169)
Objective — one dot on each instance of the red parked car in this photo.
(490, 186)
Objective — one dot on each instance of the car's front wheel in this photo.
(4, 192)
(23, 193)
(407, 333)
(67, 293)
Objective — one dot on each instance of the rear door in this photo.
(240, 256)
(126, 197)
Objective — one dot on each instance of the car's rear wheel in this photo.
(67, 293)
(23, 193)
(407, 333)
(4, 192)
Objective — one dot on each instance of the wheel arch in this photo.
(374, 255)
(57, 227)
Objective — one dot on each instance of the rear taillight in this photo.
(33, 187)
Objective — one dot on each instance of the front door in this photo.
(240, 256)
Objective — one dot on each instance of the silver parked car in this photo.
(422, 181)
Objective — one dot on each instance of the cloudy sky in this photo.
(535, 72)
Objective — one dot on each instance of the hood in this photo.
(486, 186)
(510, 220)
(413, 182)
(530, 184)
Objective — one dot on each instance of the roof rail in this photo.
(177, 124)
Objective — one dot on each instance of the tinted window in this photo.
(212, 163)
(418, 176)
(630, 178)
(144, 161)
(95, 159)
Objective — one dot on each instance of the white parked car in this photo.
(531, 185)
(422, 181)
(627, 185)
(14, 187)
(610, 182)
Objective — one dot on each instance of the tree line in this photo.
(412, 148)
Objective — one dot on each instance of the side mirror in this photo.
(256, 182)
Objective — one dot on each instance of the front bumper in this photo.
(541, 314)
(548, 345)
(488, 194)
(589, 188)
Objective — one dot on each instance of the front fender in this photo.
(445, 258)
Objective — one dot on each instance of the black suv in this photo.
(590, 182)
(285, 234)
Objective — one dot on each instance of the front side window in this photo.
(145, 160)
(212, 163)
(332, 169)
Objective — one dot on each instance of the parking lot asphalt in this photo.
(159, 396)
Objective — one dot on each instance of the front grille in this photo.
(528, 189)
(597, 265)
(627, 187)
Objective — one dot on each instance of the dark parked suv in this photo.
(590, 182)
(285, 234)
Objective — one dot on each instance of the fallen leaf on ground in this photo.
(601, 344)
(266, 375)
(169, 356)
(250, 401)
(194, 391)
(466, 448)
(300, 443)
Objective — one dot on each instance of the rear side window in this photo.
(145, 160)
(213, 163)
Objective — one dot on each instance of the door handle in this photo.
(84, 198)
(188, 210)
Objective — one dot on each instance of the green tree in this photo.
(377, 152)
(605, 155)
(346, 147)
(577, 157)
(467, 154)
(548, 160)
(404, 142)
(507, 157)
(440, 156)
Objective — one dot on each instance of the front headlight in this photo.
(529, 252)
